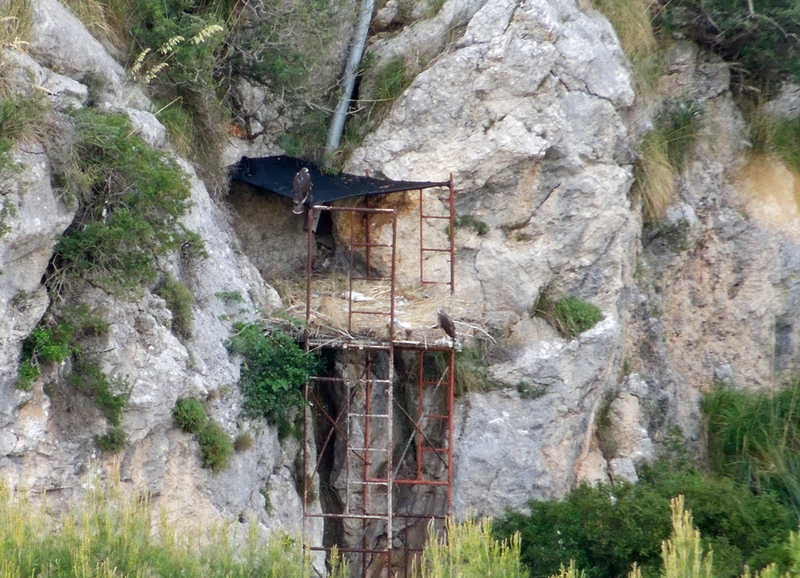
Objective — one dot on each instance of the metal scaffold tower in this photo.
(378, 431)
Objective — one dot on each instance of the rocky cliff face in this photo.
(47, 439)
(530, 104)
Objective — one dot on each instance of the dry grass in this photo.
(105, 19)
(632, 20)
(334, 316)
(15, 24)
(655, 177)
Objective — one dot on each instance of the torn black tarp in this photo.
(275, 174)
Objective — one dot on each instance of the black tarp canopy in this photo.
(275, 174)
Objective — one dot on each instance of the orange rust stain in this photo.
(354, 224)
(772, 191)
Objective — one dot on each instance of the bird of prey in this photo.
(301, 191)
(447, 325)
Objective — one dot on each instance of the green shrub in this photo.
(179, 301)
(130, 199)
(606, 529)
(44, 344)
(88, 378)
(273, 374)
(112, 441)
(570, 316)
(215, 447)
(187, 37)
(759, 37)
(189, 415)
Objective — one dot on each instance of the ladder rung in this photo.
(369, 415)
(371, 245)
(436, 217)
(357, 516)
(435, 250)
(435, 416)
(367, 450)
(427, 449)
(368, 483)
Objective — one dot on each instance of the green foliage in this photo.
(570, 316)
(112, 441)
(274, 372)
(230, 297)
(476, 225)
(472, 368)
(680, 123)
(605, 529)
(7, 211)
(759, 37)
(215, 446)
(306, 137)
(177, 45)
(189, 415)
(89, 379)
(469, 550)
(44, 344)
(755, 438)
(391, 80)
(108, 536)
(179, 301)
(130, 199)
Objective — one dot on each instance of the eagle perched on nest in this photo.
(447, 325)
(301, 191)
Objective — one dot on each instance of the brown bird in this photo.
(301, 191)
(447, 325)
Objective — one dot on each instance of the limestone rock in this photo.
(526, 109)
(622, 470)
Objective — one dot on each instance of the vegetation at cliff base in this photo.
(108, 535)
(754, 438)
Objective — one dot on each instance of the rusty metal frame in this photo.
(362, 450)
(451, 237)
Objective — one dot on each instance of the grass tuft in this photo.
(755, 438)
(215, 447)
(469, 549)
(179, 301)
(569, 316)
